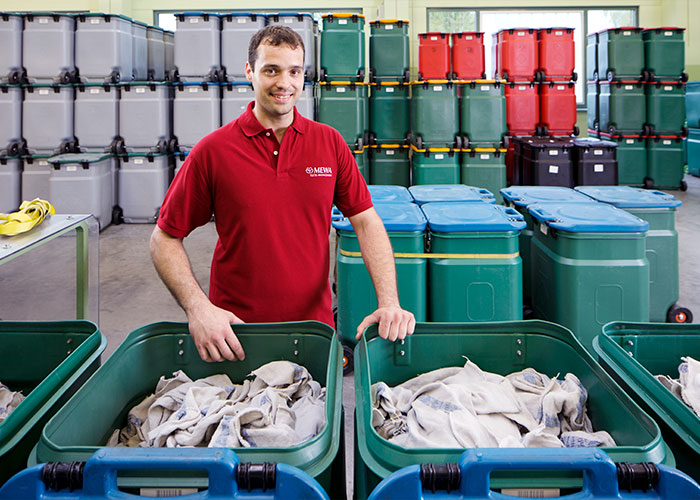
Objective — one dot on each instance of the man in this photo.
(270, 177)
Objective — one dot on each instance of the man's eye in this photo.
(269, 71)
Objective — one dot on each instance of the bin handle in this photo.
(511, 212)
(541, 214)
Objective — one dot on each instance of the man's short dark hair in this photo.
(274, 35)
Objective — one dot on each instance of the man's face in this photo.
(278, 78)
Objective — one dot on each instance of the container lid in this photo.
(665, 28)
(398, 217)
(140, 83)
(102, 14)
(189, 84)
(144, 154)
(471, 217)
(79, 158)
(433, 33)
(155, 28)
(629, 197)
(17, 14)
(289, 14)
(344, 83)
(197, 14)
(139, 23)
(523, 196)
(467, 33)
(44, 13)
(451, 193)
(343, 14)
(245, 14)
(590, 142)
(384, 194)
(47, 85)
(596, 218)
(390, 21)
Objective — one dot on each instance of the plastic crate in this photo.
(343, 47)
(433, 56)
(388, 113)
(389, 57)
(517, 55)
(556, 54)
(344, 106)
(468, 55)
(522, 108)
(434, 166)
(435, 114)
(390, 164)
(485, 167)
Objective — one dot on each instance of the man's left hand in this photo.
(394, 323)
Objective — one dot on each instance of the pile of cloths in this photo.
(281, 406)
(8, 401)
(687, 386)
(470, 408)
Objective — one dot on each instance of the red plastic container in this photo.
(468, 56)
(517, 58)
(434, 56)
(556, 55)
(558, 109)
(522, 108)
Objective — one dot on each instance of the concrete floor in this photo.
(131, 295)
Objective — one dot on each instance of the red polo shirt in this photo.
(272, 206)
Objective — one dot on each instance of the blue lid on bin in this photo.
(384, 194)
(596, 218)
(522, 196)
(336, 214)
(432, 193)
(460, 217)
(194, 13)
(630, 197)
(398, 217)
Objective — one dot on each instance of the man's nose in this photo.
(284, 80)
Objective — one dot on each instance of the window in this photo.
(490, 21)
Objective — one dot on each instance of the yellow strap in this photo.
(29, 215)
(404, 255)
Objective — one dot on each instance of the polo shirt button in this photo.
(275, 153)
(267, 134)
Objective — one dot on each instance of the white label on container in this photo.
(390, 152)
(140, 90)
(168, 492)
(342, 21)
(138, 161)
(242, 90)
(94, 21)
(485, 156)
(629, 87)
(469, 37)
(241, 20)
(543, 228)
(531, 492)
(194, 20)
(667, 143)
(485, 87)
(668, 33)
(43, 20)
(553, 152)
(521, 33)
(561, 87)
(522, 87)
(389, 26)
(94, 91)
(390, 89)
(288, 20)
(630, 141)
(433, 38)
(598, 167)
(43, 91)
(43, 163)
(440, 157)
(626, 33)
(597, 152)
(193, 89)
(340, 90)
(437, 88)
(558, 33)
(71, 168)
(553, 169)
(668, 87)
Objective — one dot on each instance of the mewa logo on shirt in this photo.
(319, 171)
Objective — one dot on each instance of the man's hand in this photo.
(210, 327)
(394, 323)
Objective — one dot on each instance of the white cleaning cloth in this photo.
(8, 401)
(687, 386)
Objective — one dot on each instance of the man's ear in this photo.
(248, 72)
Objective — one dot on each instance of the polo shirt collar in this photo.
(251, 126)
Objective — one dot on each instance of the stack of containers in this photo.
(307, 28)
(692, 107)
(11, 26)
(557, 76)
(543, 161)
(451, 56)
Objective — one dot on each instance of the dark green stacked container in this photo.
(435, 114)
(389, 56)
(631, 159)
(665, 165)
(484, 167)
(692, 104)
(592, 57)
(693, 152)
(389, 113)
(361, 160)
(482, 114)
(664, 54)
(622, 107)
(665, 108)
(390, 164)
(344, 106)
(593, 106)
(434, 166)
(343, 47)
(620, 54)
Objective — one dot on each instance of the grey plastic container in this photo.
(96, 124)
(139, 45)
(236, 31)
(36, 173)
(10, 184)
(11, 25)
(83, 184)
(11, 122)
(143, 182)
(196, 111)
(48, 47)
(307, 28)
(156, 53)
(145, 116)
(198, 46)
(180, 160)
(169, 52)
(47, 118)
(234, 100)
(103, 48)
(306, 105)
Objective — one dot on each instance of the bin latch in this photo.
(402, 352)
(642, 476)
(59, 475)
(256, 476)
(444, 477)
(182, 351)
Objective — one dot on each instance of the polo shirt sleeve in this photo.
(351, 194)
(188, 202)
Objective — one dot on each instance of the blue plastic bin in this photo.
(386, 193)
(433, 193)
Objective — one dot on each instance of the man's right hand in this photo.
(210, 327)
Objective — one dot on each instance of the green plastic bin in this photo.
(482, 114)
(664, 54)
(693, 151)
(633, 353)
(342, 47)
(665, 108)
(622, 107)
(434, 166)
(435, 114)
(692, 104)
(48, 362)
(390, 165)
(486, 168)
(589, 267)
(620, 54)
(631, 159)
(389, 56)
(477, 275)
(593, 106)
(592, 57)
(665, 165)
(85, 423)
(503, 348)
(361, 160)
(659, 210)
(344, 106)
(388, 113)
(405, 224)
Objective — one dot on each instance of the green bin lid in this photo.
(596, 218)
(78, 158)
(384, 194)
(103, 15)
(630, 197)
(397, 217)
(428, 193)
(458, 217)
(522, 196)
